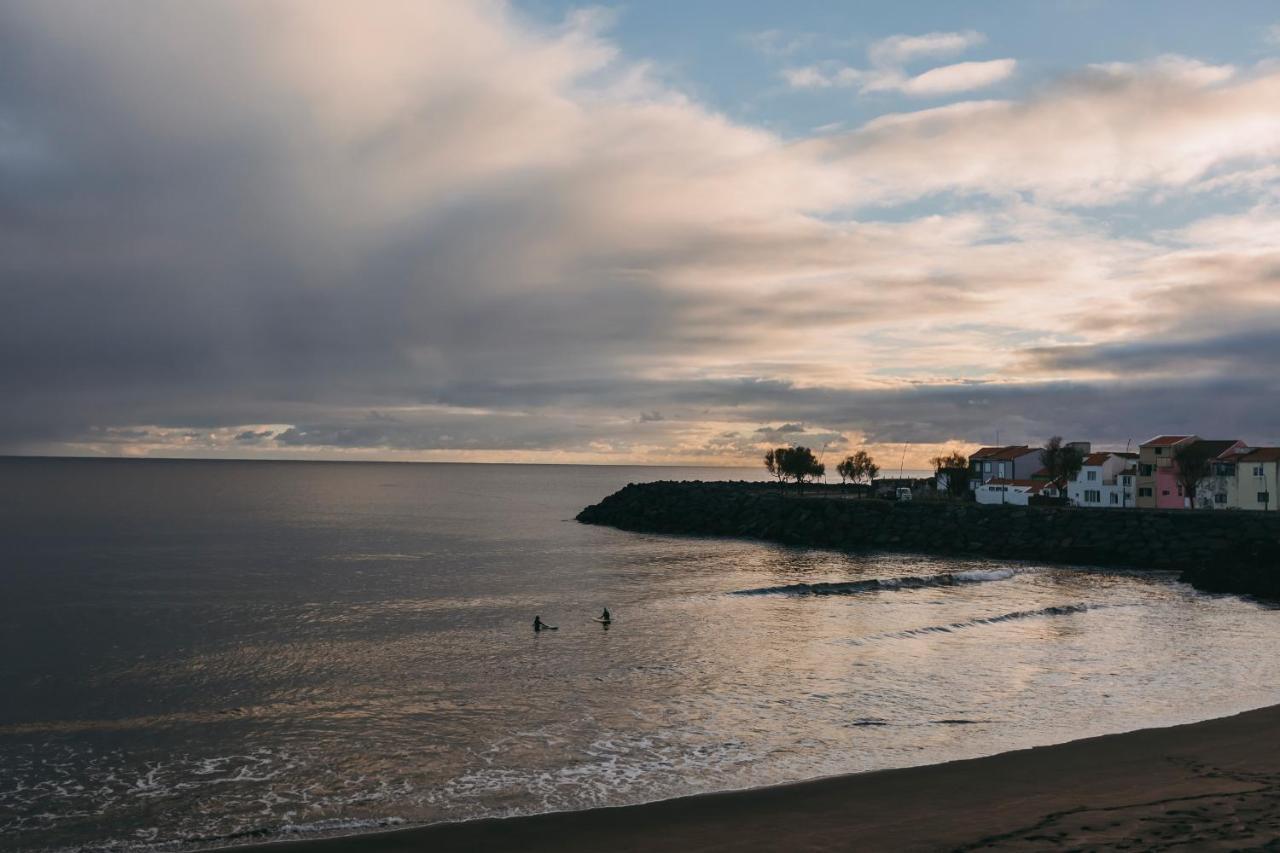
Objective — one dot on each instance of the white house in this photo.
(1105, 480)
(1002, 490)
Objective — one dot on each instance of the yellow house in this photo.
(1258, 479)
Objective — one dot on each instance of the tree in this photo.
(772, 462)
(857, 466)
(799, 464)
(846, 470)
(870, 469)
(1062, 461)
(1193, 466)
(956, 468)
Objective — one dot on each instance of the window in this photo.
(1092, 475)
(1264, 497)
(1159, 451)
(1092, 496)
(1001, 469)
(1115, 499)
(1144, 492)
(1224, 469)
(1144, 470)
(1179, 491)
(1164, 492)
(1257, 470)
(1220, 498)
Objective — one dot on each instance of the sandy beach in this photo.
(1206, 786)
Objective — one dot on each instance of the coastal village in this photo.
(1167, 472)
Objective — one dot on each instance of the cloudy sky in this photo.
(655, 232)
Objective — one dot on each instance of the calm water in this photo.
(198, 652)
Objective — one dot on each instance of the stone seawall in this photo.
(1215, 551)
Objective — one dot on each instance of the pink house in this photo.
(1158, 483)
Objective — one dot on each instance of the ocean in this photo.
(197, 654)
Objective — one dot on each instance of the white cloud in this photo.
(961, 77)
(899, 50)
(887, 72)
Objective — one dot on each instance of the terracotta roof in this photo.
(1012, 451)
(1165, 440)
(1218, 447)
(1261, 454)
(1100, 458)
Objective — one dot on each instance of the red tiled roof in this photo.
(1012, 451)
(1218, 447)
(1165, 440)
(1094, 459)
(1261, 454)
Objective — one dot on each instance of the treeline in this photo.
(798, 464)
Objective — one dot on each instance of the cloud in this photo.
(889, 58)
(440, 230)
(1093, 138)
(1272, 34)
(961, 77)
(900, 50)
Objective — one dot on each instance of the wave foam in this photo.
(884, 584)
(1055, 610)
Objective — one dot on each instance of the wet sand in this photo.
(1206, 786)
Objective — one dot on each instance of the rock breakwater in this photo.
(1217, 551)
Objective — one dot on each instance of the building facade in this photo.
(1258, 479)
(1013, 462)
(1001, 490)
(1105, 480)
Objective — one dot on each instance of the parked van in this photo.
(904, 494)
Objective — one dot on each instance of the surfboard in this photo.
(601, 621)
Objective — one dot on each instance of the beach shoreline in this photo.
(1209, 785)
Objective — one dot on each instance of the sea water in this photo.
(204, 653)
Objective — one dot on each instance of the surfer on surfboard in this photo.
(604, 618)
(539, 625)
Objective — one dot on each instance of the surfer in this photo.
(538, 624)
(605, 617)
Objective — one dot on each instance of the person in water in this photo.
(538, 624)
(605, 617)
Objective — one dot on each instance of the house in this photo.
(1157, 475)
(1219, 489)
(1243, 478)
(1003, 490)
(1014, 462)
(1158, 484)
(1105, 479)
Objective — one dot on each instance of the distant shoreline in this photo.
(764, 477)
(1213, 783)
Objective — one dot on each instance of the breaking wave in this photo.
(1055, 610)
(884, 584)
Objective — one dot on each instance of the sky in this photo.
(654, 233)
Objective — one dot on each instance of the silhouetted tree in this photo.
(858, 466)
(1193, 466)
(772, 463)
(847, 470)
(799, 464)
(1062, 461)
(956, 468)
